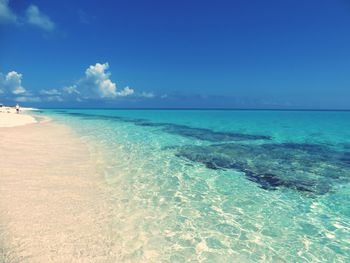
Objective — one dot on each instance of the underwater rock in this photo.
(201, 133)
(209, 135)
(181, 130)
(304, 167)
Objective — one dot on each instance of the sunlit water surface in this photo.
(224, 186)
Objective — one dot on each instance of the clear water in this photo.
(225, 186)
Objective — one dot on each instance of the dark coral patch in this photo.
(181, 130)
(209, 135)
(303, 167)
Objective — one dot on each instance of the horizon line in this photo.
(187, 108)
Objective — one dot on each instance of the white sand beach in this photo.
(12, 119)
(53, 205)
(9, 117)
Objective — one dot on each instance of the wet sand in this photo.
(54, 204)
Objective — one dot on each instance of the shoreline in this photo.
(54, 203)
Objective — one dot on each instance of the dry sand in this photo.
(54, 204)
(12, 119)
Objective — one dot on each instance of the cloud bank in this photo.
(95, 85)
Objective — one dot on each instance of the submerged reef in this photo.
(203, 134)
(308, 168)
(177, 129)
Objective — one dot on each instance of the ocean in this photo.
(223, 185)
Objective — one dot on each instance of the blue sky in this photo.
(233, 54)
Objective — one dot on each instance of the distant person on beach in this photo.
(17, 108)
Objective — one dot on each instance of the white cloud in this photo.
(71, 90)
(33, 16)
(59, 95)
(125, 92)
(148, 95)
(12, 83)
(50, 92)
(37, 18)
(27, 99)
(6, 14)
(54, 98)
(97, 84)
(12, 90)
(97, 80)
(107, 88)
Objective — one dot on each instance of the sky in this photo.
(290, 54)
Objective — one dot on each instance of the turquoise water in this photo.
(224, 186)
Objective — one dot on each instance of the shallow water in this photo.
(224, 186)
